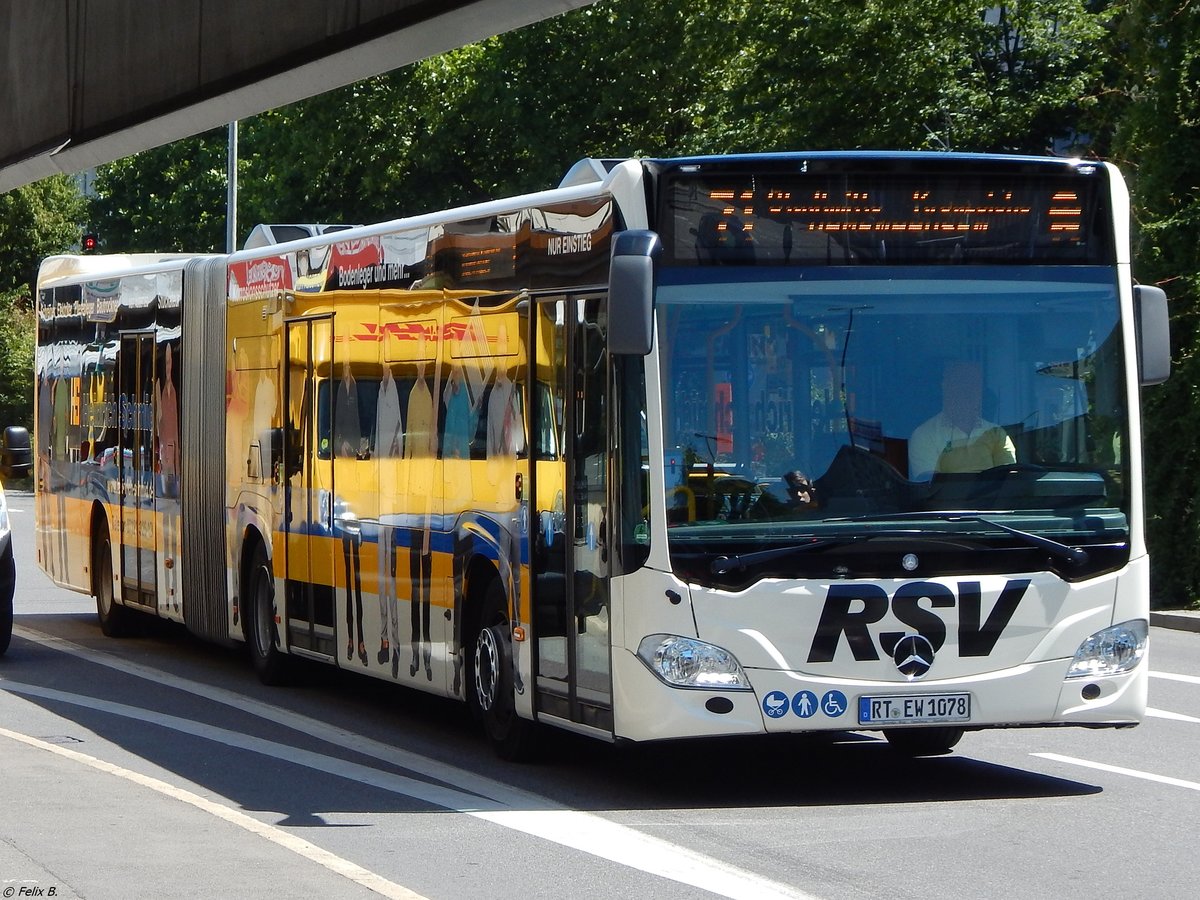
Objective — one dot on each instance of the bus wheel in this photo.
(8, 584)
(114, 618)
(932, 741)
(270, 662)
(491, 684)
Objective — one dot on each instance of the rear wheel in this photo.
(491, 681)
(270, 662)
(932, 741)
(114, 618)
(8, 584)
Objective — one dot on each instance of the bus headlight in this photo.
(1112, 651)
(689, 663)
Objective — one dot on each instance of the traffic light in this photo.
(90, 243)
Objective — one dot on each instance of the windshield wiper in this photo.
(725, 564)
(1075, 555)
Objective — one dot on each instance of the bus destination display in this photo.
(838, 219)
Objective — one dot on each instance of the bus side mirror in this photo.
(631, 292)
(16, 457)
(1153, 330)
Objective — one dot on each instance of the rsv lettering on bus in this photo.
(851, 609)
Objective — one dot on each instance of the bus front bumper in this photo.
(648, 709)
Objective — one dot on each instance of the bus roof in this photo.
(66, 268)
(915, 158)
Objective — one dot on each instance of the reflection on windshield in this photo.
(790, 402)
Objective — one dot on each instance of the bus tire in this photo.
(930, 741)
(490, 685)
(114, 618)
(271, 664)
(8, 585)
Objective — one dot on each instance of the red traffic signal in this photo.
(90, 243)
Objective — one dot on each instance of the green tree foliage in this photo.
(929, 74)
(1159, 136)
(17, 330)
(332, 158)
(35, 221)
(168, 199)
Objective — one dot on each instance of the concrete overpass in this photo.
(84, 82)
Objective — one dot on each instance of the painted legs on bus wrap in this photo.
(351, 542)
(170, 540)
(420, 571)
(462, 547)
(389, 614)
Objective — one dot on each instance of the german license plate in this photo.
(914, 709)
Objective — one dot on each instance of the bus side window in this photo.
(545, 441)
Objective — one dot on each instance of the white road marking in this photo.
(487, 800)
(1120, 770)
(1168, 676)
(334, 863)
(1174, 716)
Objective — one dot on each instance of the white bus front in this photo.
(897, 402)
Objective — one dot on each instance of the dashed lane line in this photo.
(1170, 676)
(1173, 716)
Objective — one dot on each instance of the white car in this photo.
(15, 461)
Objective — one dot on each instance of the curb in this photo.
(1177, 619)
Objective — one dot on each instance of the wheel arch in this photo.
(475, 539)
(98, 519)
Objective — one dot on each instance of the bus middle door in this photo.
(308, 513)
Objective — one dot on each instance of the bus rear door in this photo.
(135, 465)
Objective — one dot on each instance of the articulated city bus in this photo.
(692, 447)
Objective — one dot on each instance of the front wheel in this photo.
(270, 662)
(491, 683)
(931, 741)
(8, 584)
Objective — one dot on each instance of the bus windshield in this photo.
(892, 399)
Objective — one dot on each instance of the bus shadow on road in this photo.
(829, 769)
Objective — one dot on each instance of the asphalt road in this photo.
(158, 766)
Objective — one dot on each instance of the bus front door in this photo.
(308, 513)
(135, 467)
(569, 532)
